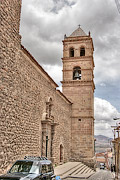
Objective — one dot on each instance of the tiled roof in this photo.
(78, 32)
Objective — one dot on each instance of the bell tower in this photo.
(78, 87)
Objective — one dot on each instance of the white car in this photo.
(102, 166)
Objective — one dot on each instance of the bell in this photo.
(77, 76)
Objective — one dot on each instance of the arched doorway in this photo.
(61, 153)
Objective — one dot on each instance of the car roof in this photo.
(42, 160)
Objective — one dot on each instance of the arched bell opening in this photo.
(76, 73)
(71, 52)
(82, 51)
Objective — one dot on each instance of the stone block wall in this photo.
(10, 48)
(40, 89)
(80, 92)
(24, 90)
(23, 103)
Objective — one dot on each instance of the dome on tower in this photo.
(78, 32)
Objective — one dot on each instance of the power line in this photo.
(118, 5)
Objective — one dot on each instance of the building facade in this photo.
(34, 114)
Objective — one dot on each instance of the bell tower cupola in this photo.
(78, 87)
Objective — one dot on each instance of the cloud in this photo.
(43, 25)
(55, 72)
(104, 114)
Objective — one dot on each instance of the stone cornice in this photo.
(83, 117)
(89, 69)
(78, 83)
(78, 38)
(80, 58)
(49, 122)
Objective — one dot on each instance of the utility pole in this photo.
(117, 167)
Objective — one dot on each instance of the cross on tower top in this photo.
(79, 25)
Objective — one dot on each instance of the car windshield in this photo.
(25, 167)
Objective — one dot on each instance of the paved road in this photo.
(100, 175)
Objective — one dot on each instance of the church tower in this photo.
(78, 87)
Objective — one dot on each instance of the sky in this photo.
(43, 25)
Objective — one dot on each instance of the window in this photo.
(71, 52)
(61, 153)
(50, 167)
(76, 73)
(82, 51)
(25, 166)
(44, 169)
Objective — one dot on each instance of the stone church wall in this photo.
(24, 91)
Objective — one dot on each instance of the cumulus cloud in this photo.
(104, 114)
(54, 72)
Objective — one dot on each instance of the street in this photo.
(100, 175)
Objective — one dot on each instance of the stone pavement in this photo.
(73, 170)
(102, 175)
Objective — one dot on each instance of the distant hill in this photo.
(102, 143)
(101, 138)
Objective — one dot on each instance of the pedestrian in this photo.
(111, 168)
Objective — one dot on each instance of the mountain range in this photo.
(102, 143)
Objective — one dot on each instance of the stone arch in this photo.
(49, 99)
